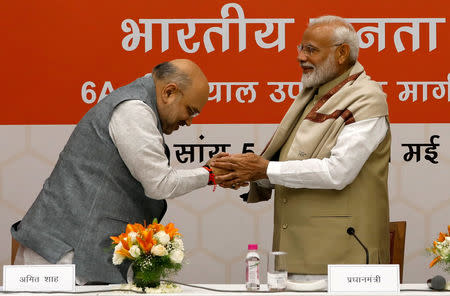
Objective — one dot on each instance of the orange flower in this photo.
(146, 247)
(124, 244)
(155, 227)
(435, 260)
(144, 236)
(129, 228)
(124, 252)
(146, 240)
(171, 230)
(136, 227)
(115, 239)
(441, 237)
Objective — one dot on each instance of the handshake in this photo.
(237, 170)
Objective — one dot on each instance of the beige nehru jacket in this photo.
(311, 224)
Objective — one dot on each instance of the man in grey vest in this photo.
(114, 170)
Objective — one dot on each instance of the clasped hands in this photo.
(237, 170)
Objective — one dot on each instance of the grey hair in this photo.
(343, 33)
(168, 73)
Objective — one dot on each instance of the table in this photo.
(191, 291)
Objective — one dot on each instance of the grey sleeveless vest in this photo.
(91, 195)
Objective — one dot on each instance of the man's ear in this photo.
(168, 93)
(343, 53)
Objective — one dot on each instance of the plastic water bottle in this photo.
(252, 261)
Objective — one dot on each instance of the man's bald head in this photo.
(181, 91)
(198, 78)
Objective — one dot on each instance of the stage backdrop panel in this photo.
(217, 226)
(59, 59)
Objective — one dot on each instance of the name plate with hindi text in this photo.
(52, 277)
(360, 279)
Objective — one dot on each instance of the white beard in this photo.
(321, 73)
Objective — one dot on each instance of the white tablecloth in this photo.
(191, 291)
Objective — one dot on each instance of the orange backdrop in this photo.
(53, 52)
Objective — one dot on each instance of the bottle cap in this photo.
(253, 246)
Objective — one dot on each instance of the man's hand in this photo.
(217, 156)
(242, 169)
(220, 172)
(217, 171)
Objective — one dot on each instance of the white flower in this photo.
(446, 254)
(118, 246)
(135, 251)
(445, 250)
(177, 244)
(176, 256)
(159, 250)
(133, 235)
(162, 237)
(117, 259)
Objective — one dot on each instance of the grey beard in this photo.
(321, 73)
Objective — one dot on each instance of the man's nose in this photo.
(301, 57)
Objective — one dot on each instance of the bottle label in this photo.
(253, 272)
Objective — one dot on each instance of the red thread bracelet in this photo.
(212, 177)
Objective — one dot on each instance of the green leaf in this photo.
(149, 270)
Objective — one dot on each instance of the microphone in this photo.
(351, 231)
(436, 283)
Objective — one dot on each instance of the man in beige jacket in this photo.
(327, 161)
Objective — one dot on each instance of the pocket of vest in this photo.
(326, 239)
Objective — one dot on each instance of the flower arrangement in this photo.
(441, 249)
(155, 251)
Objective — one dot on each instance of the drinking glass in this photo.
(277, 271)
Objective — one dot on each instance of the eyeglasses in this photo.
(310, 50)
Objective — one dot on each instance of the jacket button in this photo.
(284, 200)
(285, 226)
